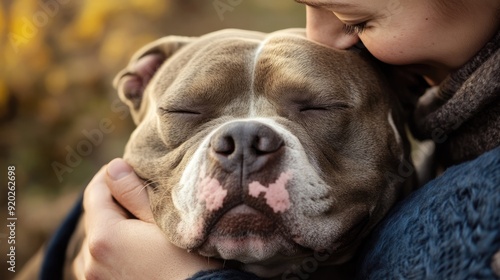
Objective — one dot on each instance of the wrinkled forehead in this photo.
(211, 65)
(293, 63)
(225, 66)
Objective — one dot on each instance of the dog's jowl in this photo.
(263, 148)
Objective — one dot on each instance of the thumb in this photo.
(128, 189)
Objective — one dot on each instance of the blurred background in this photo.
(58, 58)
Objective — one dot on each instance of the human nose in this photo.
(324, 27)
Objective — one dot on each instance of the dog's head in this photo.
(263, 148)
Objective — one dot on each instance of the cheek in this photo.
(397, 48)
(390, 51)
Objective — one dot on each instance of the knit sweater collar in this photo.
(465, 95)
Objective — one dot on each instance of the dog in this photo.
(270, 151)
(264, 149)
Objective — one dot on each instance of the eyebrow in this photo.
(318, 4)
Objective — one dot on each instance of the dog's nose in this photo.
(249, 145)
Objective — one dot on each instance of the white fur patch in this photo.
(393, 126)
(252, 107)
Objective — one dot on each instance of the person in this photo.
(453, 44)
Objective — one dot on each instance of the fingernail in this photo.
(118, 169)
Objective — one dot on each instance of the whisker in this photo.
(146, 184)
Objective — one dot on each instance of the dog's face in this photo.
(262, 148)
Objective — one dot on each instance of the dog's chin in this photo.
(249, 249)
(265, 256)
(248, 236)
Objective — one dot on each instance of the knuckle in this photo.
(92, 274)
(100, 247)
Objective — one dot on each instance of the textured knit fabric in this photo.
(463, 116)
(449, 229)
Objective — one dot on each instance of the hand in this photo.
(117, 246)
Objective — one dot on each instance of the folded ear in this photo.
(133, 81)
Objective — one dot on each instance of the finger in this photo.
(81, 259)
(100, 209)
(78, 262)
(128, 189)
(86, 266)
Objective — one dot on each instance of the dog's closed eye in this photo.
(312, 108)
(325, 107)
(179, 111)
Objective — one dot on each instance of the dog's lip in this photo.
(243, 221)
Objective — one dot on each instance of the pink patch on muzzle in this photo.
(211, 192)
(276, 194)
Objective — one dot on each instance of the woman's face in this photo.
(406, 32)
